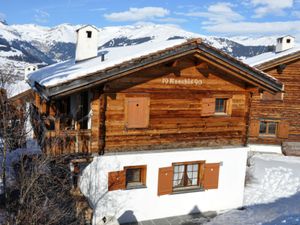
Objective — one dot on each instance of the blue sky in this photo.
(229, 18)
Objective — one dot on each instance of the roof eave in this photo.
(134, 65)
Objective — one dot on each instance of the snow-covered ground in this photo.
(272, 193)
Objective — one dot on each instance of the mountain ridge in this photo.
(25, 44)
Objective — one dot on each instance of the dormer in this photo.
(285, 43)
(87, 43)
(29, 69)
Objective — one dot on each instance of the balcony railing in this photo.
(66, 137)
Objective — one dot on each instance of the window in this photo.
(137, 111)
(186, 175)
(216, 106)
(89, 34)
(221, 105)
(135, 176)
(268, 128)
(288, 40)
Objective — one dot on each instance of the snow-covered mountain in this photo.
(21, 45)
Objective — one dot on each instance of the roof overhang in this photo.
(195, 46)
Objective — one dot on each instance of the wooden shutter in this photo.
(272, 97)
(137, 112)
(229, 106)
(208, 106)
(165, 181)
(211, 176)
(254, 128)
(283, 130)
(116, 180)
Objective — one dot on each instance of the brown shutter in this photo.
(254, 128)
(229, 107)
(208, 106)
(165, 181)
(283, 130)
(137, 112)
(211, 176)
(116, 180)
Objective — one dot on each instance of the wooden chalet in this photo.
(275, 119)
(170, 119)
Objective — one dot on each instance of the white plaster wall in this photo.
(265, 148)
(86, 47)
(144, 203)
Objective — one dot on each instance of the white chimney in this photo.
(87, 43)
(285, 43)
(29, 69)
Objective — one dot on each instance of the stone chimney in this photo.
(87, 43)
(285, 43)
(29, 69)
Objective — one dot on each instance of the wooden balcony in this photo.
(66, 140)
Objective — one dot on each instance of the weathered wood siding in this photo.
(175, 109)
(287, 110)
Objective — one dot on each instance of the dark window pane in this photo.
(272, 127)
(220, 105)
(133, 175)
(263, 127)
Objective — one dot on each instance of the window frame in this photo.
(143, 177)
(225, 106)
(200, 177)
(267, 134)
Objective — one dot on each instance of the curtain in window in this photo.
(192, 174)
(178, 179)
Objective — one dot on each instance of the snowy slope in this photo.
(35, 44)
(272, 193)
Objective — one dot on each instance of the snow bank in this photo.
(272, 193)
(271, 177)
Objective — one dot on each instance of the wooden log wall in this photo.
(175, 109)
(283, 110)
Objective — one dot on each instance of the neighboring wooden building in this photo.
(275, 119)
(172, 119)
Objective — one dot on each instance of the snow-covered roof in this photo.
(269, 56)
(17, 88)
(64, 76)
(69, 70)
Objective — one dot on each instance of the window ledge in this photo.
(221, 114)
(267, 136)
(187, 190)
(138, 186)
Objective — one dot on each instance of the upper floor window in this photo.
(220, 105)
(268, 128)
(216, 106)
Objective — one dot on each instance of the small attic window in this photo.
(288, 40)
(28, 69)
(89, 34)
